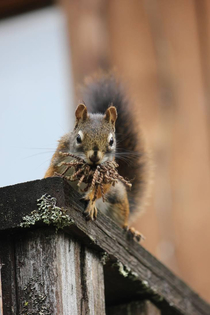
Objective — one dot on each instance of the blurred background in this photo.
(161, 49)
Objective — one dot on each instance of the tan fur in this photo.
(120, 210)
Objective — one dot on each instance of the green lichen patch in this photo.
(123, 270)
(126, 272)
(145, 284)
(133, 276)
(33, 301)
(48, 213)
(104, 257)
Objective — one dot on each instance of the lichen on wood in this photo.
(126, 271)
(48, 213)
(104, 257)
(33, 301)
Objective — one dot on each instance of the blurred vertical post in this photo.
(132, 53)
(166, 106)
(86, 22)
(202, 11)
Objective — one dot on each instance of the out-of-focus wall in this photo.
(161, 48)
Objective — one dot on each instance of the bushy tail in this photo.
(98, 94)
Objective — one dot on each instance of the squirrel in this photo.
(106, 130)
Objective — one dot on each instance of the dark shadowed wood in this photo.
(130, 271)
(8, 274)
(1, 303)
(134, 308)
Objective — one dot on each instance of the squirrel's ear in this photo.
(111, 114)
(81, 112)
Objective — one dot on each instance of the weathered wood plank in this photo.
(93, 284)
(56, 276)
(36, 284)
(134, 308)
(1, 303)
(69, 274)
(8, 274)
(132, 261)
(48, 273)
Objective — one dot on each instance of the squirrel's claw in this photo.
(136, 235)
(91, 211)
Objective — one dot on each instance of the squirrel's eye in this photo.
(111, 141)
(79, 139)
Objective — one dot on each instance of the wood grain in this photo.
(7, 258)
(56, 276)
(130, 271)
(93, 284)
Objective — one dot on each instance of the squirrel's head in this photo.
(93, 138)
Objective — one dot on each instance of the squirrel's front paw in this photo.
(91, 211)
(131, 232)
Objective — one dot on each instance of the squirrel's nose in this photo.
(94, 157)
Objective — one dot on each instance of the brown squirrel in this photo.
(106, 130)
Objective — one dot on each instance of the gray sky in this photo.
(35, 93)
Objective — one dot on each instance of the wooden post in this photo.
(56, 275)
(93, 284)
(65, 272)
